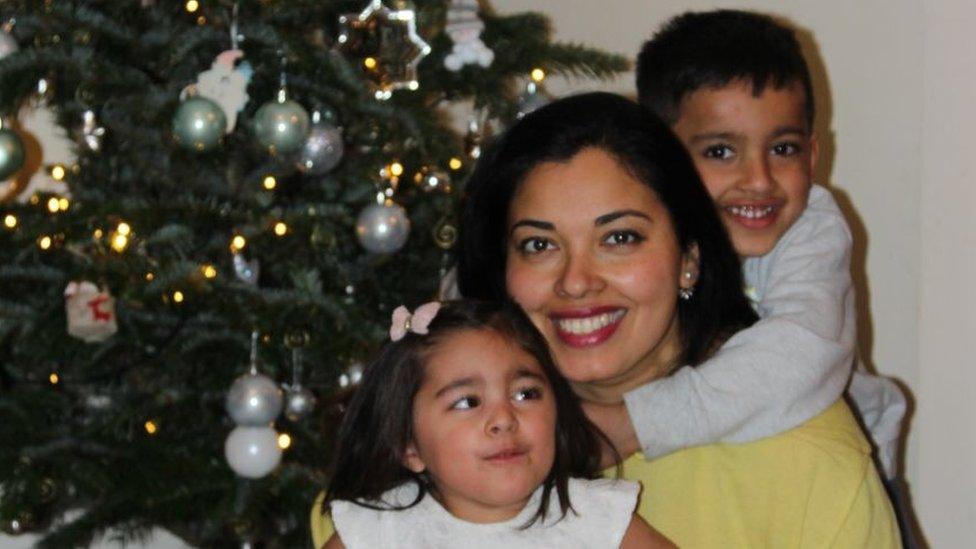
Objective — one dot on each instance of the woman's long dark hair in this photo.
(648, 149)
(378, 424)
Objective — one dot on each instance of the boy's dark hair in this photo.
(711, 49)
(644, 146)
(378, 424)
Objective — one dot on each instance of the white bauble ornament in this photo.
(254, 399)
(382, 228)
(252, 452)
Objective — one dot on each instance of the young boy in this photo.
(736, 90)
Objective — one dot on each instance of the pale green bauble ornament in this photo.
(281, 126)
(199, 124)
(11, 153)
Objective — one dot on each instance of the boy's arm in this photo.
(785, 369)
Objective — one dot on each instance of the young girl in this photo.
(464, 433)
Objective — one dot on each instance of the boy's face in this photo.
(754, 154)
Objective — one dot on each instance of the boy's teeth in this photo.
(589, 324)
(750, 212)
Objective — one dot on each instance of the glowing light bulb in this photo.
(284, 441)
(209, 271)
(538, 75)
(280, 228)
(150, 277)
(120, 242)
(270, 182)
(369, 63)
(237, 243)
(98, 233)
(10, 221)
(455, 163)
(192, 6)
(58, 172)
(150, 427)
(54, 378)
(44, 242)
(396, 169)
(178, 296)
(53, 205)
(63, 203)
(123, 229)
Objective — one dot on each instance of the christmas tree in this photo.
(252, 186)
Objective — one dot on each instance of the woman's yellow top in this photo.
(811, 487)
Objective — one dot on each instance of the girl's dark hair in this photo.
(643, 145)
(710, 49)
(378, 423)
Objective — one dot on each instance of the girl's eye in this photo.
(623, 238)
(529, 393)
(786, 149)
(465, 403)
(718, 152)
(535, 245)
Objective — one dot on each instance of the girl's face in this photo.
(484, 423)
(594, 261)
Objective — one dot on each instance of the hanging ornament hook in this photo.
(283, 78)
(254, 352)
(235, 36)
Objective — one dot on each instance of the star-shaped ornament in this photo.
(387, 46)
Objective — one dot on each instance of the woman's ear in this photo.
(412, 460)
(689, 267)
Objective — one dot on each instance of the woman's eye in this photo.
(786, 149)
(529, 393)
(718, 152)
(465, 403)
(534, 245)
(622, 238)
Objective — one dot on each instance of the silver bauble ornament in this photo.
(299, 402)
(531, 99)
(281, 126)
(253, 400)
(8, 44)
(323, 149)
(11, 153)
(252, 452)
(199, 124)
(382, 228)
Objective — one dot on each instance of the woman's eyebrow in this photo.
(542, 225)
(613, 216)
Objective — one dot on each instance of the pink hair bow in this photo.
(404, 321)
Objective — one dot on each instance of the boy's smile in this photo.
(755, 155)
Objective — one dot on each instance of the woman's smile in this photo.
(587, 326)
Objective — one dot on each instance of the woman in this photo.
(589, 214)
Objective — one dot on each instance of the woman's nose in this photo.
(502, 420)
(579, 277)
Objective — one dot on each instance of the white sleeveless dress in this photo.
(604, 508)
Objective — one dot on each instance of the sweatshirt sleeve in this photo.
(783, 370)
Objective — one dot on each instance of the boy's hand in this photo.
(614, 421)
